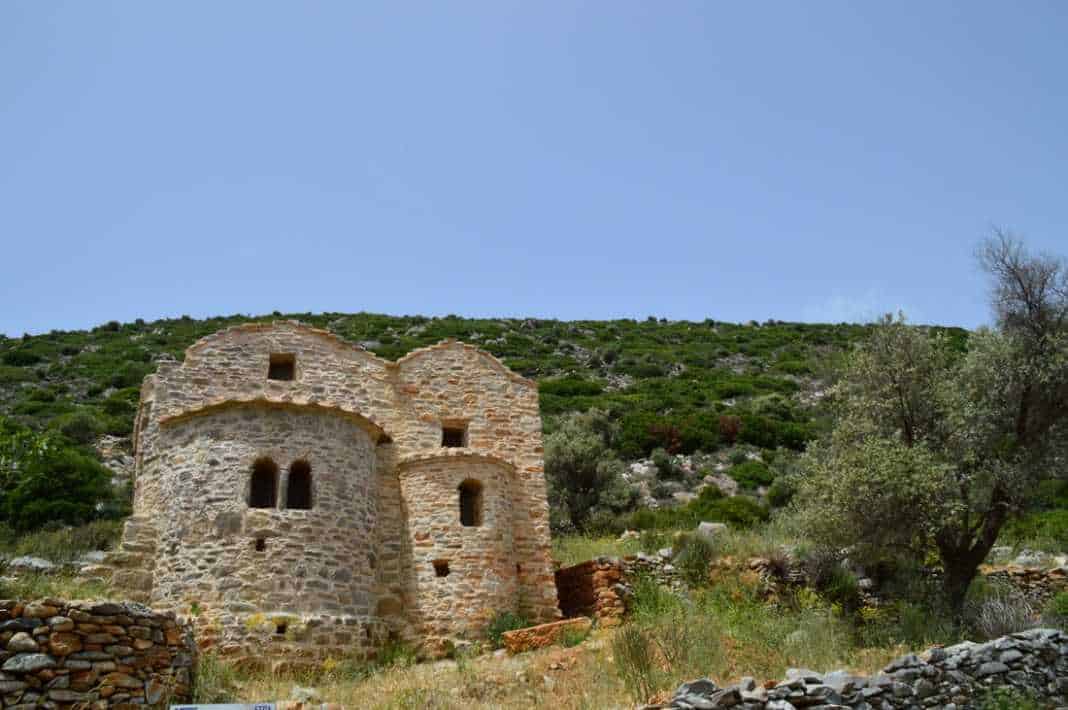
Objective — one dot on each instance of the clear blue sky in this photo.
(790, 160)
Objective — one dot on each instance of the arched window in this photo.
(263, 491)
(299, 488)
(470, 503)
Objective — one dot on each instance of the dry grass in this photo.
(61, 586)
(723, 633)
(565, 678)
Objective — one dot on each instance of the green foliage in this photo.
(709, 506)
(692, 556)
(666, 468)
(781, 492)
(1008, 698)
(933, 447)
(42, 480)
(635, 662)
(570, 387)
(64, 544)
(64, 586)
(583, 474)
(573, 637)
(751, 474)
(80, 427)
(676, 371)
(1056, 611)
(503, 622)
(842, 588)
(214, 681)
(396, 654)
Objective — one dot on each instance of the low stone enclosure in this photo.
(1032, 664)
(58, 654)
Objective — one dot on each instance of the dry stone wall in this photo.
(58, 654)
(1030, 666)
(357, 567)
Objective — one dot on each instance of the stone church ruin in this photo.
(300, 497)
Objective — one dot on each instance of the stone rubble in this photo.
(1032, 663)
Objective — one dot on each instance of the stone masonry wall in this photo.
(251, 570)
(462, 575)
(347, 573)
(459, 383)
(58, 654)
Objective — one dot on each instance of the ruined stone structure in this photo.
(300, 496)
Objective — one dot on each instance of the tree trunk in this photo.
(957, 578)
(960, 564)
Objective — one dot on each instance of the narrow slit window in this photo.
(283, 366)
(470, 503)
(263, 488)
(299, 488)
(261, 544)
(453, 436)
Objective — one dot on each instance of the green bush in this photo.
(81, 428)
(743, 512)
(570, 387)
(842, 588)
(710, 506)
(123, 403)
(1046, 528)
(573, 637)
(21, 358)
(635, 662)
(781, 492)
(666, 468)
(693, 555)
(1056, 611)
(751, 474)
(503, 622)
(1008, 699)
(43, 481)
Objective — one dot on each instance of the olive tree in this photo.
(937, 445)
(584, 475)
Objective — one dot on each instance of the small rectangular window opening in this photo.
(453, 435)
(280, 628)
(441, 568)
(261, 544)
(283, 366)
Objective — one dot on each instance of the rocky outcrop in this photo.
(1033, 664)
(57, 654)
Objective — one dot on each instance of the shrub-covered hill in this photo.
(666, 382)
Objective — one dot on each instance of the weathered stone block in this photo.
(534, 637)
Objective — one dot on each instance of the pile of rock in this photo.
(657, 567)
(60, 654)
(1032, 663)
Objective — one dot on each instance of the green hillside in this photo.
(665, 382)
